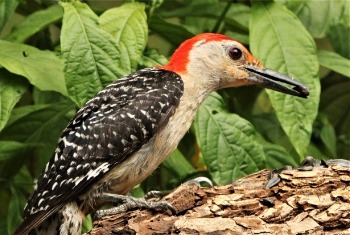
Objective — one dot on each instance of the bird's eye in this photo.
(235, 53)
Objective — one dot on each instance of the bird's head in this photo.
(225, 62)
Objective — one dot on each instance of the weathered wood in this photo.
(304, 202)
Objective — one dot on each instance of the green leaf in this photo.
(328, 136)
(318, 16)
(338, 34)
(268, 126)
(128, 26)
(47, 97)
(174, 33)
(11, 90)
(90, 55)
(277, 156)
(335, 102)
(314, 150)
(7, 7)
(281, 42)
(228, 142)
(42, 68)
(37, 125)
(197, 9)
(87, 224)
(197, 25)
(35, 22)
(15, 209)
(238, 16)
(24, 180)
(237, 23)
(10, 148)
(152, 58)
(334, 61)
(22, 111)
(177, 164)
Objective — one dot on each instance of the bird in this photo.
(120, 136)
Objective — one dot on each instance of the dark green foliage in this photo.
(54, 57)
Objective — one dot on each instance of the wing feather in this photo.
(106, 131)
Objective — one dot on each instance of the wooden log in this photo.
(303, 202)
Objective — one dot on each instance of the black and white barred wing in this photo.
(110, 128)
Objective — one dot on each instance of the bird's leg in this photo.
(126, 203)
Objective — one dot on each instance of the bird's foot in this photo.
(126, 203)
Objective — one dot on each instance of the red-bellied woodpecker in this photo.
(122, 135)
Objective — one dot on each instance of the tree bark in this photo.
(303, 202)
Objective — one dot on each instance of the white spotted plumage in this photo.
(103, 134)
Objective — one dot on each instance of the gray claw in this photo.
(200, 180)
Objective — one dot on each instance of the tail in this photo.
(67, 221)
(49, 226)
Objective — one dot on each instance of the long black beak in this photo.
(273, 80)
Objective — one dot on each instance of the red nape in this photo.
(179, 60)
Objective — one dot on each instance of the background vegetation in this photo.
(55, 56)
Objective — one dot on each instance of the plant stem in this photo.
(222, 16)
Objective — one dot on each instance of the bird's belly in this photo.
(137, 167)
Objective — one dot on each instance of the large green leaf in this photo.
(228, 142)
(7, 7)
(35, 22)
(91, 57)
(317, 16)
(43, 69)
(334, 61)
(11, 90)
(281, 42)
(37, 125)
(128, 26)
